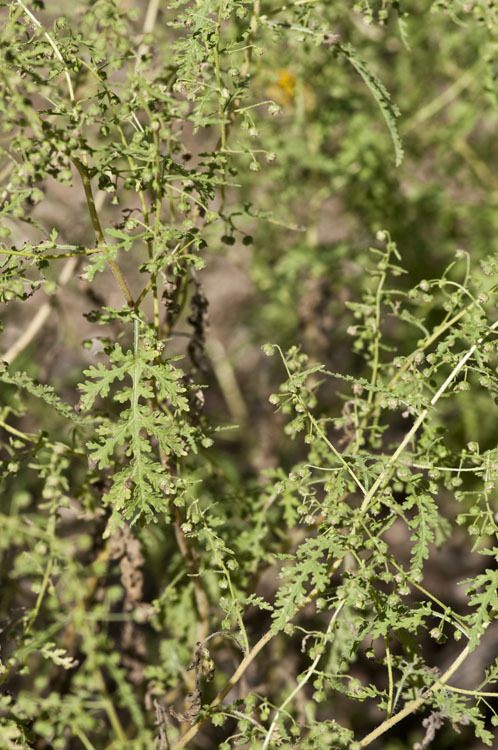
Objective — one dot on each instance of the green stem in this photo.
(320, 432)
(389, 664)
(474, 693)
(54, 47)
(230, 586)
(442, 328)
(114, 720)
(83, 172)
(40, 597)
(83, 738)
(221, 110)
(42, 256)
(386, 473)
(417, 703)
(8, 428)
(248, 659)
(305, 679)
(376, 343)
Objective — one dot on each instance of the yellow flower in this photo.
(286, 89)
(283, 90)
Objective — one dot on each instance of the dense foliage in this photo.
(249, 379)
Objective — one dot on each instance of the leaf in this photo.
(310, 570)
(424, 523)
(46, 393)
(141, 486)
(103, 377)
(381, 96)
(59, 656)
(486, 602)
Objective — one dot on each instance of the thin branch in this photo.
(75, 252)
(387, 471)
(83, 172)
(247, 661)
(43, 313)
(417, 703)
(54, 47)
(305, 679)
(227, 380)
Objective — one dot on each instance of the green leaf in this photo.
(46, 393)
(141, 486)
(382, 96)
(486, 602)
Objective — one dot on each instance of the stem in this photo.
(114, 719)
(474, 693)
(304, 680)
(253, 25)
(220, 562)
(444, 326)
(201, 600)
(386, 473)
(389, 708)
(148, 26)
(221, 112)
(83, 738)
(441, 101)
(83, 172)
(150, 16)
(247, 661)
(40, 597)
(320, 432)
(415, 704)
(376, 343)
(17, 433)
(54, 47)
(43, 256)
(227, 380)
(234, 106)
(244, 664)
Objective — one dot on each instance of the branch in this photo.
(415, 704)
(83, 172)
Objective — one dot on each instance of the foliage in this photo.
(182, 565)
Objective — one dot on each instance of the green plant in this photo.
(181, 565)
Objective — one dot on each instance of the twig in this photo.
(247, 661)
(387, 471)
(43, 313)
(83, 172)
(53, 45)
(227, 380)
(201, 600)
(148, 25)
(446, 97)
(305, 679)
(415, 704)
